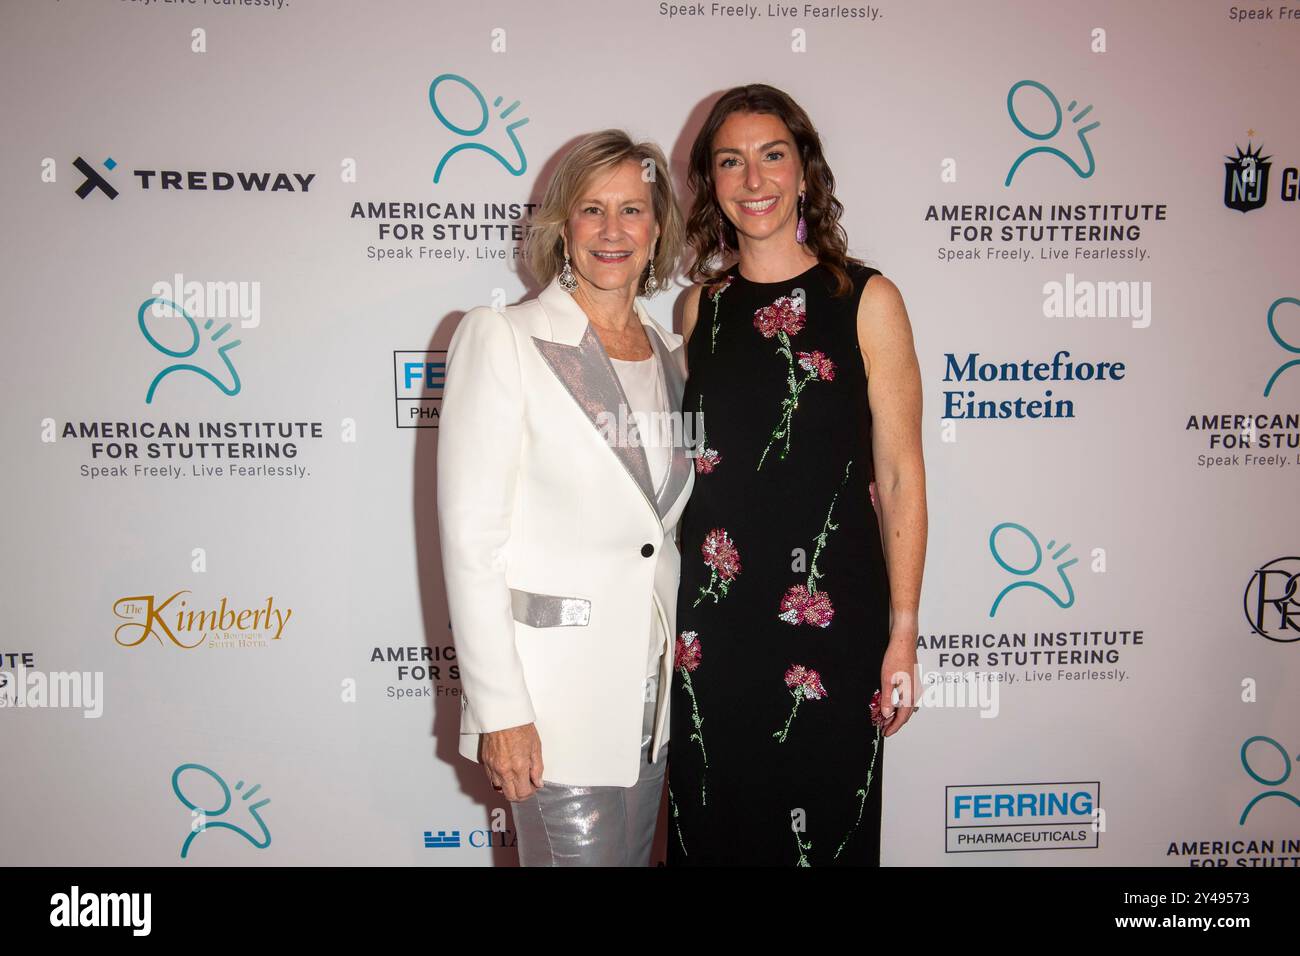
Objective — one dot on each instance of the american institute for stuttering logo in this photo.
(203, 809)
(516, 164)
(1074, 140)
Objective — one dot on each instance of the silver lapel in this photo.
(673, 365)
(586, 372)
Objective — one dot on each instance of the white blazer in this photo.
(558, 556)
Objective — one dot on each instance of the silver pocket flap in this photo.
(548, 610)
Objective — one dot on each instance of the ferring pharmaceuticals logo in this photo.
(985, 818)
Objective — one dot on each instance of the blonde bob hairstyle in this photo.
(593, 154)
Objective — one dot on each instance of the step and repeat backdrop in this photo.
(239, 235)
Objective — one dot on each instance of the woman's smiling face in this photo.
(757, 175)
(612, 230)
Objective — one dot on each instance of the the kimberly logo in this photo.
(102, 909)
(220, 627)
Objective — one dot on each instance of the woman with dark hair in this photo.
(797, 612)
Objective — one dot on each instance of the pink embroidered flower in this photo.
(878, 718)
(706, 461)
(822, 368)
(720, 554)
(687, 655)
(879, 721)
(799, 606)
(805, 682)
(784, 315)
(723, 562)
(686, 659)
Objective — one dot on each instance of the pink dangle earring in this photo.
(801, 230)
(722, 234)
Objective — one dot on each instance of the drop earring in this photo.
(801, 230)
(722, 235)
(651, 283)
(567, 280)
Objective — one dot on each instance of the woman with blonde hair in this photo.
(561, 478)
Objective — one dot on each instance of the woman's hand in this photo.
(898, 669)
(512, 759)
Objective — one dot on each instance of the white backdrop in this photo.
(260, 156)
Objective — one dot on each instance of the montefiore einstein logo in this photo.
(1060, 371)
(172, 621)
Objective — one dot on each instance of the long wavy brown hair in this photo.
(822, 211)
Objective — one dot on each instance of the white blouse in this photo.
(643, 385)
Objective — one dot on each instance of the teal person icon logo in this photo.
(164, 312)
(200, 815)
(1266, 781)
(1272, 330)
(1081, 132)
(521, 162)
(1032, 567)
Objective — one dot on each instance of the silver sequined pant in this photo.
(595, 826)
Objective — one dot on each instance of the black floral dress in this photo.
(783, 612)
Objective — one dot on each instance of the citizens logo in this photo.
(993, 817)
(147, 616)
(477, 839)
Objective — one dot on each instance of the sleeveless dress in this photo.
(783, 610)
